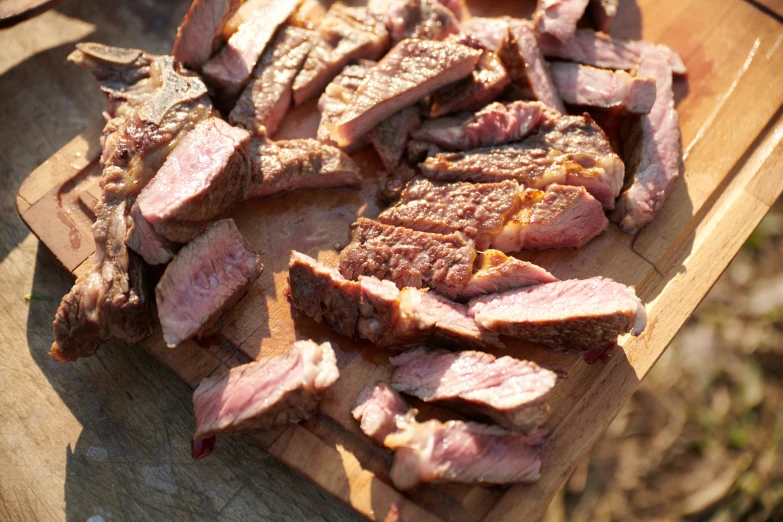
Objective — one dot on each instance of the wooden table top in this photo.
(106, 438)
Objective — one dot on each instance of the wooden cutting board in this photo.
(732, 126)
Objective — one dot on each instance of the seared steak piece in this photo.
(151, 105)
(653, 151)
(208, 276)
(578, 314)
(335, 100)
(408, 257)
(495, 124)
(497, 272)
(266, 394)
(309, 15)
(346, 34)
(412, 70)
(592, 87)
(601, 50)
(397, 180)
(557, 18)
(561, 217)
(423, 19)
(288, 165)
(142, 238)
(477, 210)
(266, 98)
(461, 452)
(376, 409)
(229, 70)
(201, 32)
(488, 80)
(390, 137)
(202, 179)
(508, 391)
(492, 33)
(603, 12)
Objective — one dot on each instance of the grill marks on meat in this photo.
(577, 314)
(347, 33)
(412, 70)
(208, 276)
(201, 32)
(408, 257)
(511, 392)
(423, 19)
(266, 99)
(390, 137)
(561, 217)
(592, 87)
(557, 18)
(376, 409)
(654, 152)
(266, 394)
(496, 272)
(527, 66)
(477, 210)
(335, 99)
(152, 105)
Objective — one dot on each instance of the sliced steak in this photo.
(408, 257)
(335, 99)
(203, 178)
(495, 124)
(496, 272)
(390, 137)
(461, 452)
(477, 210)
(492, 33)
(346, 34)
(267, 96)
(602, 88)
(600, 50)
(376, 409)
(578, 314)
(266, 394)
(561, 217)
(201, 32)
(557, 18)
(508, 391)
(653, 151)
(412, 70)
(423, 19)
(487, 82)
(603, 12)
(142, 238)
(207, 277)
(309, 15)
(230, 69)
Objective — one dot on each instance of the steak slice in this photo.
(347, 33)
(477, 210)
(376, 409)
(601, 50)
(208, 276)
(508, 391)
(142, 238)
(202, 179)
(603, 12)
(488, 80)
(266, 98)
(423, 19)
(266, 394)
(412, 70)
(229, 70)
(653, 152)
(495, 124)
(201, 32)
(592, 87)
(491, 33)
(335, 100)
(557, 18)
(561, 217)
(151, 105)
(578, 314)
(497, 272)
(408, 257)
(390, 137)
(461, 452)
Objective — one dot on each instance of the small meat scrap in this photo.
(142, 238)
(267, 96)
(376, 409)
(423, 19)
(412, 70)
(561, 217)
(335, 99)
(557, 18)
(208, 276)
(495, 124)
(205, 176)
(496, 272)
(408, 257)
(510, 392)
(653, 152)
(390, 137)
(592, 87)
(346, 34)
(578, 314)
(266, 394)
(603, 12)
(478, 210)
(201, 32)
(487, 82)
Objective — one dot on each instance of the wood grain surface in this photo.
(731, 123)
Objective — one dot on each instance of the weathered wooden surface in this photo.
(729, 111)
